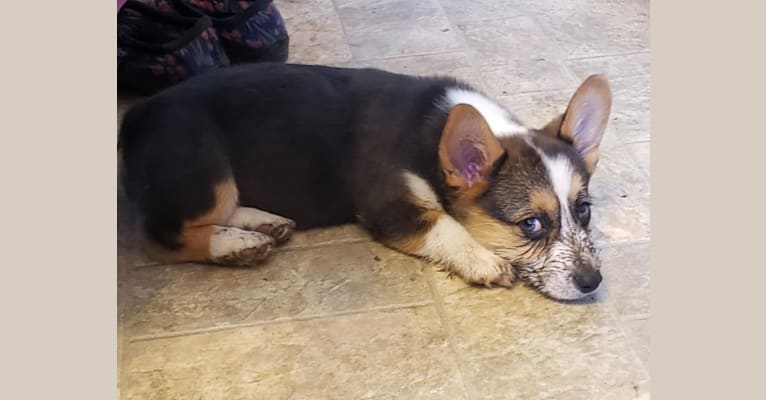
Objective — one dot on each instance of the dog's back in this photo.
(292, 137)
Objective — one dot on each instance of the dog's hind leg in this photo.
(217, 235)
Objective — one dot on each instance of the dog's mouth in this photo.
(561, 286)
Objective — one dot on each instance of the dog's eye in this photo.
(532, 227)
(583, 212)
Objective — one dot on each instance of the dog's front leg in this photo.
(436, 236)
(448, 243)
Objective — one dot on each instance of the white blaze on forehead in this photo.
(499, 120)
(560, 173)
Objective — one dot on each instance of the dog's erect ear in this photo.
(468, 149)
(584, 122)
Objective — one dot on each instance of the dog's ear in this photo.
(584, 122)
(468, 149)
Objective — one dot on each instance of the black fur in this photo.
(319, 145)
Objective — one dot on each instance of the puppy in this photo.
(223, 167)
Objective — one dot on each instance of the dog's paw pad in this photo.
(246, 257)
(234, 247)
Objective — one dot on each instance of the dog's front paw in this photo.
(504, 279)
(487, 269)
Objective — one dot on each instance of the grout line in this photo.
(398, 56)
(288, 248)
(277, 321)
(639, 141)
(525, 92)
(277, 250)
(493, 19)
(572, 76)
(403, 56)
(478, 81)
(635, 317)
(461, 48)
(440, 310)
(628, 340)
(625, 53)
(343, 30)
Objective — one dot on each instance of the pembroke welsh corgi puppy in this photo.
(224, 166)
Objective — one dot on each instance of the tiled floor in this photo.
(336, 316)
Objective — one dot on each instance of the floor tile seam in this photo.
(278, 250)
(606, 55)
(439, 305)
(342, 28)
(277, 321)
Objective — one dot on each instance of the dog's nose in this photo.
(587, 280)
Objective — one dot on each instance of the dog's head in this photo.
(525, 195)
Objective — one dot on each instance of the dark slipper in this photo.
(251, 31)
(156, 50)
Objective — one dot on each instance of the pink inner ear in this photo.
(468, 161)
(472, 172)
(586, 133)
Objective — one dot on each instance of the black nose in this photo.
(587, 280)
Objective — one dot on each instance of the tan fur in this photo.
(544, 201)
(226, 198)
(196, 240)
(196, 233)
(553, 127)
(487, 230)
(414, 243)
(577, 186)
(499, 237)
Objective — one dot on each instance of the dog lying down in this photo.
(223, 167)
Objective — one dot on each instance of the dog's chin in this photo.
(568, 293)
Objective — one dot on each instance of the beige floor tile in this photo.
(626, 279)
(507, 41)
(477, 10)
(401, 354)
(641, 151)
(294, 284)
(359, 13)
(638, 331)
(621, 198)
(452, 64)
(631, 108)
(527, 75)
(592, 376)
(316, 33)
(518, 344)
(619, 66)
(537, 109)
(322, 237)
(391, 28)
(592, 28)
